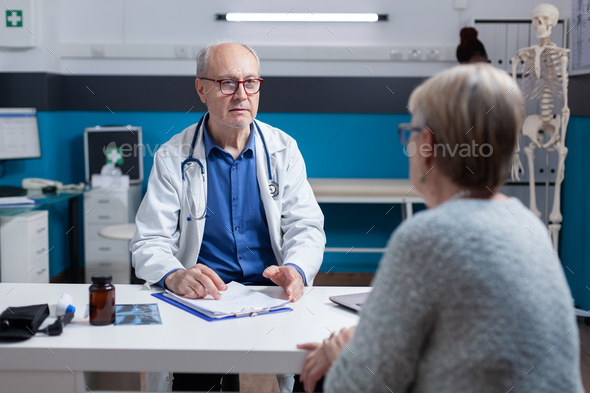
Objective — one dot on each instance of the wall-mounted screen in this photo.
(19, 133)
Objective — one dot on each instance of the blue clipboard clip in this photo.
(250, 311)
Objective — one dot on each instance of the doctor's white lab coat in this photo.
(166, 240)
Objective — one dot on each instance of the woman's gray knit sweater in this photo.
(469, 297)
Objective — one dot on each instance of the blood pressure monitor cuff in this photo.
(21, 323)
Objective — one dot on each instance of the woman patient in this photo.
(470, 295)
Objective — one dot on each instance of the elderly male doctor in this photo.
(228, 198)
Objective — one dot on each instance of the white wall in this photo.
(166, 24)
(46, 30)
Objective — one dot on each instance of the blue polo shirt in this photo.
(236, 241)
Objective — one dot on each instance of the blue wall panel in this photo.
(346, 145)
(575, 236)
(62, 150)
(333, 145)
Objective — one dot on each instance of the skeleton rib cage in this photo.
(550, 76)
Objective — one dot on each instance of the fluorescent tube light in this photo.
(301, 17)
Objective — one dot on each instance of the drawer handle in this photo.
(104, 249)
(41, 250)
(104, 201)
(104, 217)
(40, 271)
(105, 263)
(41, 230)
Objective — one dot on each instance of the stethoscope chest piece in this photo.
(274, 189)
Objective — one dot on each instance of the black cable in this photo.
(56, 328)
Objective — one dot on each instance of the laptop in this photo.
(354, 301)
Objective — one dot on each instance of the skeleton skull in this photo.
(545, 17)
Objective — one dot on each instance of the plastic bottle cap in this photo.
(102, 278)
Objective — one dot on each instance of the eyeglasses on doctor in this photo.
(230, 86)
(404, 132)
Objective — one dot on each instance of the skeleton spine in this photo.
(547, 105)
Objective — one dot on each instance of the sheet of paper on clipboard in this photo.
(237, 300)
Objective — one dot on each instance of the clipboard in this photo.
(243, 314)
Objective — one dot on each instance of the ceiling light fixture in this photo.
(301, 17)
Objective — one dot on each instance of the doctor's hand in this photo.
(288, 278)
(195, 282)
(319, 361)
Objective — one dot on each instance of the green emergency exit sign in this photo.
(14, 18)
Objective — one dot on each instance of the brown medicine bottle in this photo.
(102, 300)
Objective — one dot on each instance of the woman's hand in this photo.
(316, 365)
(318, 362)
(336, 343)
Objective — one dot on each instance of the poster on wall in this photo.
(580, 57)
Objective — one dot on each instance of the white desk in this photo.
(183, 343)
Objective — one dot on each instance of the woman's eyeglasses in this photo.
(405, 131)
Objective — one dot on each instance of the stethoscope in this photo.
(273, 187)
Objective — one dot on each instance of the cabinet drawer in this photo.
(114, 248)
(105, 216)
(110, 264)
(37, 229)
(119, 277)
(37, 271)
(92, 232)
(38, 249)
(40, 272)
(115, 199)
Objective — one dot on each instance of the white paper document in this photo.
(237, 300)
(21, 200)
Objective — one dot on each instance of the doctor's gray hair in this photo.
(203, 56)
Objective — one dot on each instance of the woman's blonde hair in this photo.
(474, 112)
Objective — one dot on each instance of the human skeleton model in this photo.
(549, 80)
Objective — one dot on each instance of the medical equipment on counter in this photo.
(64, 305)
(33, 183)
